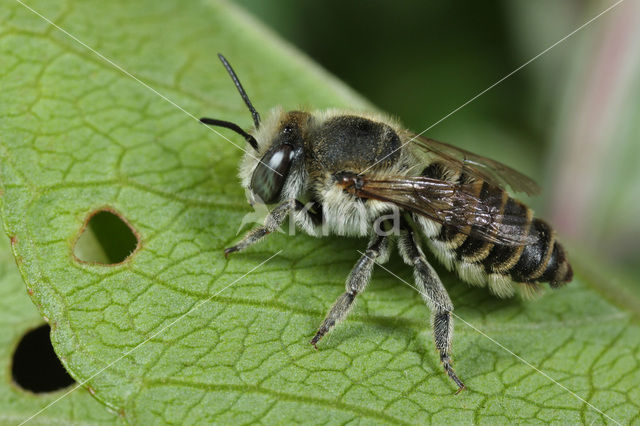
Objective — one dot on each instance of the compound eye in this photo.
(267, 182)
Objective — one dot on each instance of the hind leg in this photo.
(435, 295)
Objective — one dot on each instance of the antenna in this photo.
(245, 97)
(231, 126)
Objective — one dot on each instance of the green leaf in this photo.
(79, 136)
(17, 317)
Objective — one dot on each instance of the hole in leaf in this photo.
(35, 366)
(106, 238)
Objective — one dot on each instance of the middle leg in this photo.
(356, 282)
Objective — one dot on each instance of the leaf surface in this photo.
(17, 317)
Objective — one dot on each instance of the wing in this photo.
(455, 205)
(476, 166)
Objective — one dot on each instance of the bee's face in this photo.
(284, 143)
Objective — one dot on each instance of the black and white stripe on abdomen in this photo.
(480, 262)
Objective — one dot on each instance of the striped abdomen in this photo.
(500, 266)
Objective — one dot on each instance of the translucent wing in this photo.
(455, 205)
(475, 166)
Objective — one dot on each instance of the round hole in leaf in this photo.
(35, 366)
(106, 238)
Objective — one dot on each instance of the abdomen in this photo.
(503, 268)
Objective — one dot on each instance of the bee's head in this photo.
(266, 170)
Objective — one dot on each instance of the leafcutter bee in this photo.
(347, 173)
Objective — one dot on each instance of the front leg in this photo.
(435, 295)
(356, 283)
(273, 220)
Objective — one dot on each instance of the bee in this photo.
(344, 172)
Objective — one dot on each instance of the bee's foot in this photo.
(315, 340)
(230, 250)
(446, 363)
(460, 389)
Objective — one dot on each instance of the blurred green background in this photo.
(570, 119)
